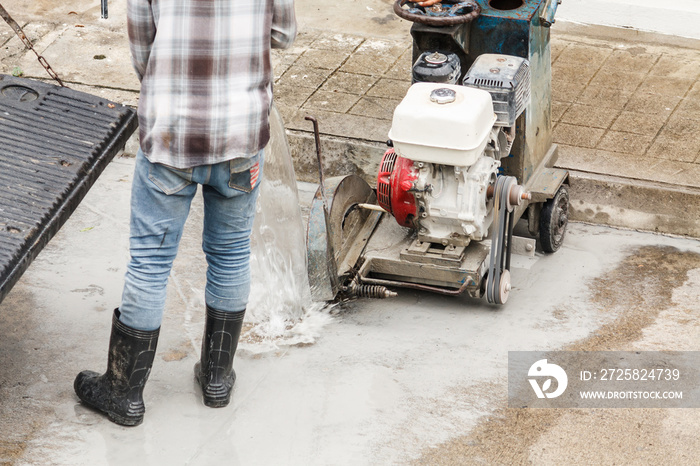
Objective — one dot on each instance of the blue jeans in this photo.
(160, 202)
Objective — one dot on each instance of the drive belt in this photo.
(498, 277)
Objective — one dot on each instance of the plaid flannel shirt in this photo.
(205, 73)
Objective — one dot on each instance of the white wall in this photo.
(674, 17)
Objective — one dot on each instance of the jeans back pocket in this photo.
(168, 179)
(244, 173)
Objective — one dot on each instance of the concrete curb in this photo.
(341, 156)
(635, 204)
(623, 35)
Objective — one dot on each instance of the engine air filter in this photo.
(507, 79)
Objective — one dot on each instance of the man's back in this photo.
(206, 75)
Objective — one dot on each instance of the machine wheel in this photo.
(553, 220)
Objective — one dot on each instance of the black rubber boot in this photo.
(119, 392)
(214, 372)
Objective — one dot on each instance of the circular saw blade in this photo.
(337, 236)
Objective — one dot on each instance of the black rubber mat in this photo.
(54, 143)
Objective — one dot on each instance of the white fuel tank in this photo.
(443, 123)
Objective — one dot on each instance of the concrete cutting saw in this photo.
(470, 154)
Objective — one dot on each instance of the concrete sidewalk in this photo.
(416, 380)
(626, 104)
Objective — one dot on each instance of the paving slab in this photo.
(626, 103)
(621, 109)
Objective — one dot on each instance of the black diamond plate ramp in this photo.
(54, 143)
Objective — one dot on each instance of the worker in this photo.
(205, 73)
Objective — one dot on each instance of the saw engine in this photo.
(440, 177)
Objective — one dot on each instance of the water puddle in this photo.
(280, 309)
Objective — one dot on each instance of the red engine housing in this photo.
(394, 182)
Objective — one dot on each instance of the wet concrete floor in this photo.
(420, 378)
